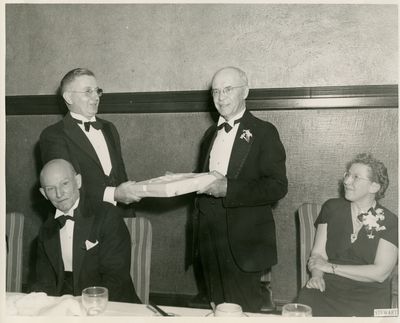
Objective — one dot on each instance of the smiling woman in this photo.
(355, 248)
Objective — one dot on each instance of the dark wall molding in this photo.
(327, 97)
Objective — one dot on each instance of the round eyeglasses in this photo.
(90, 92)
(226, 90)
(354, 177)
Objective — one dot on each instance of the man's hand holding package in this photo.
(126, 193)
(217, 188)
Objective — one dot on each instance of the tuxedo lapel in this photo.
(73, 131)
(111, 144)
(241, 147)
(52, 246)
(208, 142)
(82, 229)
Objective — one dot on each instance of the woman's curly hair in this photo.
(378, 171)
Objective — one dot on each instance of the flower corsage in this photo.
(371, 221)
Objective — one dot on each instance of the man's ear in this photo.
(246, 92)
(43, 192)
(78, 178)
(67, 97)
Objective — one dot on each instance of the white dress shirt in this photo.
(222, 148)
(67, 237)
(99, 144)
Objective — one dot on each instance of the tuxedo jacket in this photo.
(105, 264)
(256, 179)
(66, 140)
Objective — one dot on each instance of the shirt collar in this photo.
(358, 211)
(81, 117)
(231, 122)
(69, 212)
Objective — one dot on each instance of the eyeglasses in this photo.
(226, 90)
(354, 177)
(90, 92)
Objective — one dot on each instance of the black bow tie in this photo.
(95, 124)
(361, 215)
(227, 126)
(63, 218)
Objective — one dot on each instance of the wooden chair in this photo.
(308, 213)
(141, 236)
(14, 258)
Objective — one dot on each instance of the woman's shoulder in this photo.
(389, 215)
(338, 202)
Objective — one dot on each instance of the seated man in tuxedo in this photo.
(84, 243)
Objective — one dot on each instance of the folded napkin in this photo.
(65, 306)
(33, 304)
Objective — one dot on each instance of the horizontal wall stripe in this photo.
(332, 97)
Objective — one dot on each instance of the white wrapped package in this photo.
(173, 184)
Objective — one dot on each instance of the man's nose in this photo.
(59, 192)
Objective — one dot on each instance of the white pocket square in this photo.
(90, 244)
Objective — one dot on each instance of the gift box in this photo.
(173, 184)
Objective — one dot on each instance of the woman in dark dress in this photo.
(355, 247)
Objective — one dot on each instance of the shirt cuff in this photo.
(109, 195)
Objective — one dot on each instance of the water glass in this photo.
(94, 300)
(228, 309)
(296, 309)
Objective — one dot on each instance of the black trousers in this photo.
(68, 284)
(225, 281)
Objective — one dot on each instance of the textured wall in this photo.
(139, 47)
(135, 48)
(318, 144)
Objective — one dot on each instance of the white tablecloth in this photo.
(39, 304)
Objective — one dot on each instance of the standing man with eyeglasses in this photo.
(236, 229)
(90, 144)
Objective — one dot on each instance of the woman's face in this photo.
(357, 184)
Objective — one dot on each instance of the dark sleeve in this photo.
(391, 228)
(115, 259)
(53, 145)
(45, 276)
(271, 184)
(324, 214)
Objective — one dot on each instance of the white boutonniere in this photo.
(370, 221)
(246, 135)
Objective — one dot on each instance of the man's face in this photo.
(61, 186)
(230, 101)
(80, 101)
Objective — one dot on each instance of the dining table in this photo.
(39, 304)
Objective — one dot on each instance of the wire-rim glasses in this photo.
(90, 92)
(226, 90)
(354, 177)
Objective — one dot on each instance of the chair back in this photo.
(308, 213)
(141, 236)
(14, 258)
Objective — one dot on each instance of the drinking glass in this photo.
(94, 300)
(228, 309)
(296, 309)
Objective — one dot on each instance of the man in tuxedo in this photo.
(84, 243)
(90, 144)
(236, 229)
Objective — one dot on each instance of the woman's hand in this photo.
(319, 263)
(316, 283)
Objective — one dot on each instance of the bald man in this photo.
(83, 243)
(236, 233)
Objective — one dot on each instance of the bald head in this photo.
(60, 184)
(232, 71)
